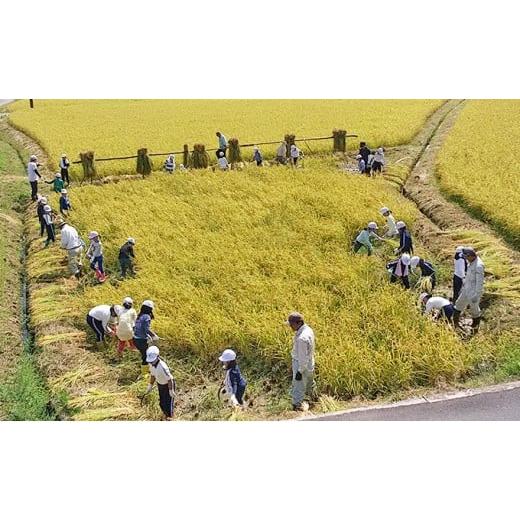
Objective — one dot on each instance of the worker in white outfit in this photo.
(472, 289)
(302, 361)
(442, 306)
(160, 373)
(391, 228)
(72, 243)
(460, 265)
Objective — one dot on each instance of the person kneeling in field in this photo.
(442, 306)
(160, 373)
(234, 383)
(222, 161)
(399, 270)
(169, 164)
(428, 277)
(363, 239)
(125, 327)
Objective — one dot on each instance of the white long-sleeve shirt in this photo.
(379, 157)
(95, 249)
(125, 327)
(303, 348)
(69, 238)
(101, 313)
(391, 224)
(473, 286)
(460, 267)
(32, 168)
(161, 372)
(436, 302)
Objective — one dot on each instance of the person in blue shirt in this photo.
(222, 144)
(257, 156)
(234, 383)
(143, 332)
(65, 205)
(426, 269)
(405, 239)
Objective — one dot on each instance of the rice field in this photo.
(114, 128)
(478, 164)
(226, 256)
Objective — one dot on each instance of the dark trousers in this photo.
(42, 227)
(457, 286)
(97, 262)
(166, 401)
(241, 390)
(141, 345)
(97, 327)
(34, 190)
(126, 265)
(404, 280)
(65, 175)
(51, 236)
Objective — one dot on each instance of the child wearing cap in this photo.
(125, 327)
(364, 236)
(234, 383)
(222, 161)
(390, 223)
(42, 202)
(65, 205)
(49, 225)
(57, 183)
(95, 254)
(361, 163)
(257, 156)
(160, 373)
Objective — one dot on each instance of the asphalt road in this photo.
(490, 406)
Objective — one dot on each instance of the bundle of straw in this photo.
(89, 168)
(199, 156)
(340, 140)
(144, 163)
(289, 139)
(235, 155)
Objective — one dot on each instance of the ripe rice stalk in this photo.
(89, 167)
(144, 163)
(340, 140)
(290, 140)
(235, 155)
(199, 157)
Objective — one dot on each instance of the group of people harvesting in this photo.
(468, 272)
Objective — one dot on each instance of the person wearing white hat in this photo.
(472, 290)
(126, 257)
(391, 229)
(364, 236)
(169, 163)
(49, 225)
(142, 331)
(379, 160)
(125, 327)
(302, 361)
(95, 255)
(33, 175)
(160, 373)
(442, 306)
(427, 272)
(405, 239)
(295, 155)
(234, 383)
(42, 201)
(257, 156)
(400, 269)
(57, 183)
(65, 205)
(64, 168)
(362, 166)
(460, 265)
(73, 244)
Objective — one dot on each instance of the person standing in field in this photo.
(65, 205)
(365, 152)
(234, 383)
(57, 183)
(257, 156)
(364, 236)
(160, 373)
(472, 290)
(95, 255)
(379, 161)
(169, 164)
(143, 332)
(400, 270)
(72, 243)
(460, 268)
(281, 153)
(125, 326)
(302, 361)
(391, 229)
(42, 202)
(126, 257)
(99, 319)
(405, 239)
(295, 155)
(222, 144)
(222, 161)
(49, 225)
(33, 175)
(64, 168)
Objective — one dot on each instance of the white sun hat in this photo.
(372, 225)
(152, 353)
(400, 225)
(414, 262)
(227, 355)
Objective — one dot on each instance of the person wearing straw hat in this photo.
(460, 265)
(472, 290)
(33, 175)
(169, 163)
(95, 255)
(143, 333)
(160, 374)
(127, 256)
(302, 361)
(405, 239)
(234, 383)
(57, 183)
(72, 243)
(125, 326)
(442, 306)
(42, 202)
(391, 229)
(364, 236)
(65, 205)
(400, 269)
(64, 168)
